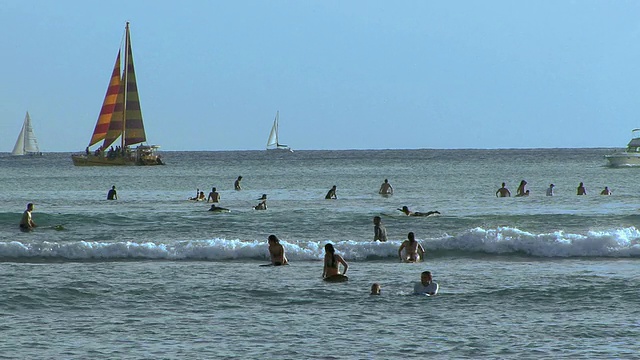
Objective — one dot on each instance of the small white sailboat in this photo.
(272, 142)
(27, 144)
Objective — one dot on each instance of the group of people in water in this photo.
(522, 191)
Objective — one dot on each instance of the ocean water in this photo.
(153, 275)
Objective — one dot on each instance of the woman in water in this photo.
(331, 271)
(276, 250)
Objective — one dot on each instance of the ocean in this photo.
(154, 275)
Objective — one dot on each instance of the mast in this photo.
(124, 78)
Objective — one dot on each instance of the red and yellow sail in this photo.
(108, 105)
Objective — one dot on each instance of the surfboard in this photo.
(336, 278)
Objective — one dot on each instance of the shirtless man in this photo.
(262, 205)
(112, 194)
(406, 211)
(379, 232)
(214, 196)
(236, 184)
(413, 250)
(386, 188)
(426, 285)
(276, 250)
(606, 191)
(503, 191)
(26, 223)
(332, 193)
(581, 189)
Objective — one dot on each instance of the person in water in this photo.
(332, 193)
(405, 210)
(262, 205)
(413, 250)
(215, 208)
(581, 189)
(375, 289)
(199, 196)
(606, 191)
(521, 189)
(379, 232)
(503, 191)
(426, 285)
(112, 194)
(332, 262)
(236, 184)
(550, 190)
(276, 251)
(214, 196)
(386, 188)
(26, 223)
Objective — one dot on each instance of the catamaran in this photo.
(272, 142)
(120, 117)
(26, 143)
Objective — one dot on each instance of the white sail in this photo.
(27, 142)
(273, 135)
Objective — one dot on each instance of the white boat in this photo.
(26, 143)
(272, 142)
(629, 157)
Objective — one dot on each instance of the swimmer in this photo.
(236, 184)
(386, 188)
(581, 189)
(199, 197)
(276, 251)
(375, 289)
(413, 250)
(426, 285)
(112, 194)
(521, 190)
(606, 191)
(262, 205)
(332, 262)
(214, 196)
(332, 193)
(550, 190)
(26, 223)
(406, 211)
(215, 208)
(503, 191)
(379, 232)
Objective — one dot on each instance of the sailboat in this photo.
(120, 117)
(272, 142)
(26, 143)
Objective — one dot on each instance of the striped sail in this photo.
(108, 105)
(134, 127)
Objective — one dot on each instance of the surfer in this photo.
(332, 261)
(606, 191)
(379, 232)
(331, 194)
(503, 191)
(413, 250)
(550, 190)
(375, 289)
(406, 211)
(276, 250)
(199, 196)
(236, 184)
(112, 194)
(214, 196)
(262, 205)
(215, 208)
(581, 189)
(426, 285)
(26, 223)
(386, 188)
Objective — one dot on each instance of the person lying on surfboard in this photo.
(408, 212)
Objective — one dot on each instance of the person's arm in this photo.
(400, 250)
(344, 263)
(421, 252)
(436, 290)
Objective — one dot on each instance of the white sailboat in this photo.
(27, 144)
(272, 142)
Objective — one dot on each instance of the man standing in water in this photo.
(26, 223)
(426, 286)
(236, 185)
(214, 196)
(379, 232)
(112, 194)
(332, 193)
(413, 250)
(503, 191)
(386, 188)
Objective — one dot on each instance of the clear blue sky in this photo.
(370, 74)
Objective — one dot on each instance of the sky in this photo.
(356, 74)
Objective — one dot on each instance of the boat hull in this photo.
(142, 156)
(623, 159)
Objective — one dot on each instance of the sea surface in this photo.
(153, 275)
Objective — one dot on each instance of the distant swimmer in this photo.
(332, 261)
(332, 193)
(215, 208)
(408, 212)
(526, 193)
(386, 188)
(214, 196)
(379, 232)
(262, 205)
(606, 191)
(413, 250)
(550, 190)
(503, 191)
(375, 289)
(426, 286)
(521, 189)
(199, 196)
(236, 184)
(581, 189)
(112, 194)
(26, 223)
(276, 251)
